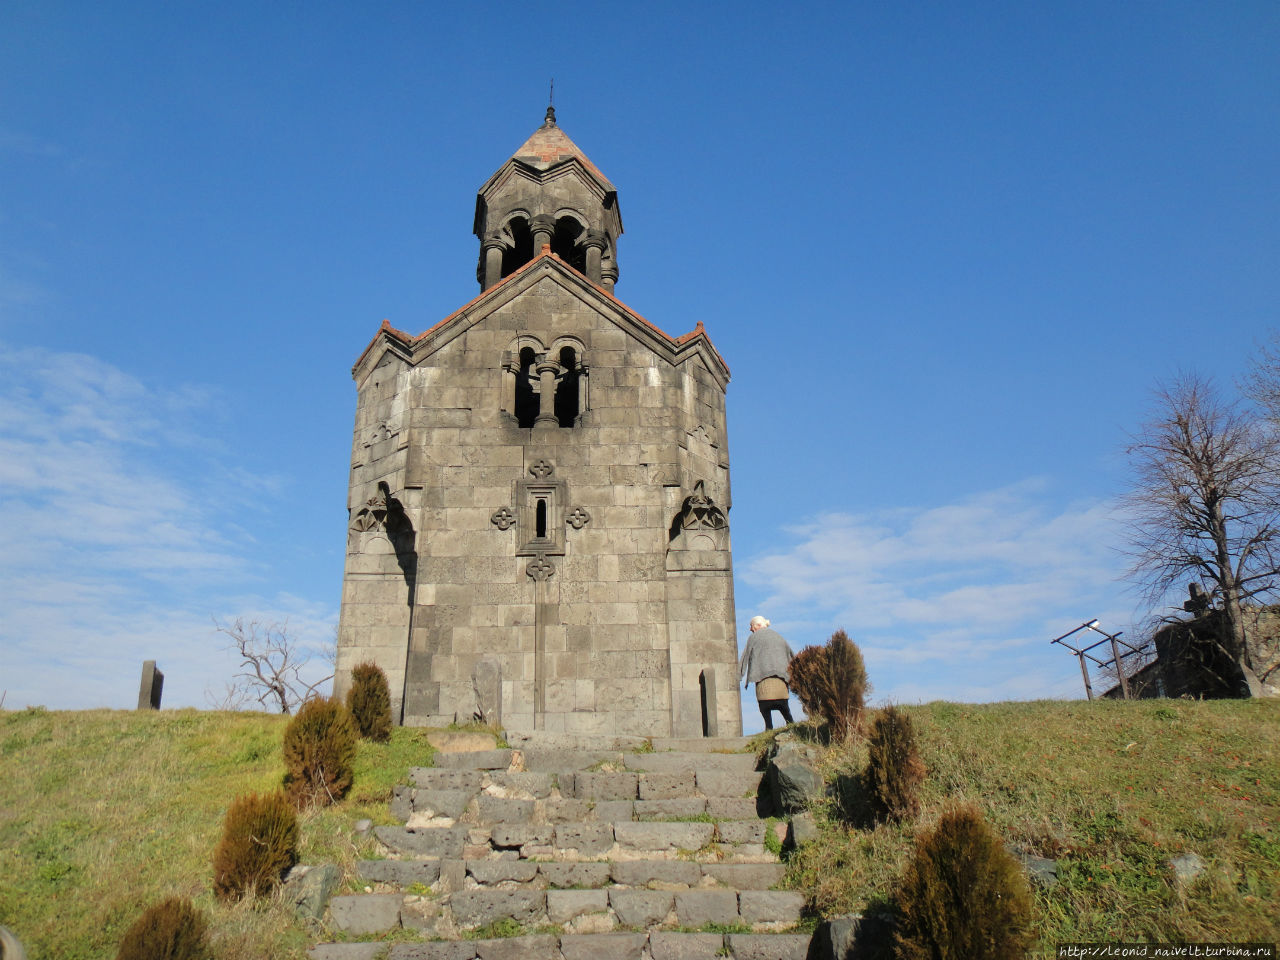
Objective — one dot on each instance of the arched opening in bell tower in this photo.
(567, 390)
(564, 243)
(526, 399)
(521, 250)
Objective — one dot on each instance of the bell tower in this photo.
(538, 511)
(548, 194)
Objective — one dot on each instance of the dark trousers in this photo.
(768, 706)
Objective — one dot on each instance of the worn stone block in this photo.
(641, 908)
(727, 783)
(742, 831)
(770, 906)
(589, 839)
(453, 876)
(768, 946)
(566, 875)
(437, 950)
(564, 905)
(685, 946)
(442, 803)
(490, 873)
(567, 811)
(611, 811)
(438, 842)
(521, 785)
(401, 803)
(732, 808)
(502, 810)
(604, 786)
(513, 835)
(663, 836)
(683, 809)
(745, 876)
(664, 874)
(366, 912)
(666, 786)
(532, 947)
(475, 760)
(697, 907)
(603, 946)
(476, 908)
(433, 778)
(400, 872)
(420, 913)
(345, 951)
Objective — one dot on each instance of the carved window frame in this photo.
(527, 495)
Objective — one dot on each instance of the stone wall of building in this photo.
(618, 615)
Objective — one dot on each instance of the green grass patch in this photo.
(103, 813)
(1110, 790)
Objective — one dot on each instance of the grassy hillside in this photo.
(1112, 791)
(104, 812)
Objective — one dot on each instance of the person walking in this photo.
(766, 662)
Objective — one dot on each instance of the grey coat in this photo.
(766, 655)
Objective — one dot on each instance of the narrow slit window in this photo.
(540, 520)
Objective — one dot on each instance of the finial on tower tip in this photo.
(551, 101)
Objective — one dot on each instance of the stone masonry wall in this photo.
(626, 633)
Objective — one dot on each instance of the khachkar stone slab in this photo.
(151, 688)
(539, 492)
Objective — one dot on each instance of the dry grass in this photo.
(103, 813)
(1110, 790)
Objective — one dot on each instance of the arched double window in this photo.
(544, 387)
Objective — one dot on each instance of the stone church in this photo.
(539, 488)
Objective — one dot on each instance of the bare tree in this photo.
(1204, 505)
(1262, 383)
(271, 662)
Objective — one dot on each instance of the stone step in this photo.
(647, 874)
(540, 760)
(734, 840)
(575, 911)
(448, 793)
(423, 808)
(654, 945)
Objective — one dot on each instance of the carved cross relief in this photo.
(540, 515)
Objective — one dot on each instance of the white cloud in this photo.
(955, 601)
(122, 539)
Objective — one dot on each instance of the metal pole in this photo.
(1115, 653)
(1088, 689)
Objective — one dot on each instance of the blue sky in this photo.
(946, 250)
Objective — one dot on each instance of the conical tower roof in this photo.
(548, 147)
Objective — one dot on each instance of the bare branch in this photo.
(271, 662)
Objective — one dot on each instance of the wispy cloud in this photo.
(122, 537)
(954, 601)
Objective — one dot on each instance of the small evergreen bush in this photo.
(894, 768)
(831, 682)
(963, 897)
(369, 701)
(319, 748)
(259, 843)
(171, 930)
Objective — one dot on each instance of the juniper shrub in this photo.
(894, 768)
(963, 896)
(259, 843)
(369, 701)
(319, 749)
(170, 930)
(831, 683)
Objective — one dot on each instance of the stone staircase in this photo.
(586, 854)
